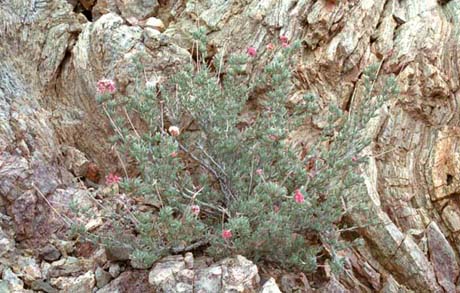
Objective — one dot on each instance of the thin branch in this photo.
(372, 87)
(251, 175)
(64, 218)
(121, 161)
(222, 181)
(219, 209)
(131, 123)
(115, 127)
(212, 160)
(193, 246)
(159, 196)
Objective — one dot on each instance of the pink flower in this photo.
(195, 209)
(260, 172)
(106, 86)
(298, 196)
(354, 159)
(174, 130)
(270, 47)
(273, 137)
(252, 51)
(112, 179)
(284, 39)
(285, 45)
(227, 234)
(173, 154)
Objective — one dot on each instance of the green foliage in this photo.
(241, 169)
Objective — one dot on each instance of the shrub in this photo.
(237, 183)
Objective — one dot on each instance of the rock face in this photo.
(51, 58)
(230, 275)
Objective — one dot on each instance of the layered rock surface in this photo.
(51, 57)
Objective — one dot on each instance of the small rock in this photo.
(270, 286)
(288, 283)
(93, 224)
(40, 285)
(155, 23)
(50, 253)
(138, 8)
(65, 247)
(239, 275)
(14, 283)
(188, 259)
(65, 266)
(29, 269)
(451, 216)
(102, 277)
(83, 284)
(45, 268)
(100, 257)
(118, 252)
(84, 249)
(130, 282)
(162, 274)
(74, 160)
(61, 282)
(114, 270)
(132, 20)
(208, 280)
(152, 38)
(185, 276)
(6, 244)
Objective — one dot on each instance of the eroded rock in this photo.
(443, 258)
(229, 275)
(129, 281)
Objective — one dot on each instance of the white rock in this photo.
(83, 284)
(270, 286)
(29, 269)
(114, 270)
(164, 271)
(155, 23)
(14, 283)
(188, 259)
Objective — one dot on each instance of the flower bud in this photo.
(174, 130)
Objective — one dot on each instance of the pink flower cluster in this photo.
(298, 196)
(195, 209)
(252, 51)
(174, 130)
(105, 86)
(112, 179)
(284, 41)
(227, 234)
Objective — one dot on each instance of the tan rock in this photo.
(155, 23)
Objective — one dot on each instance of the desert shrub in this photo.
(237, 183)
